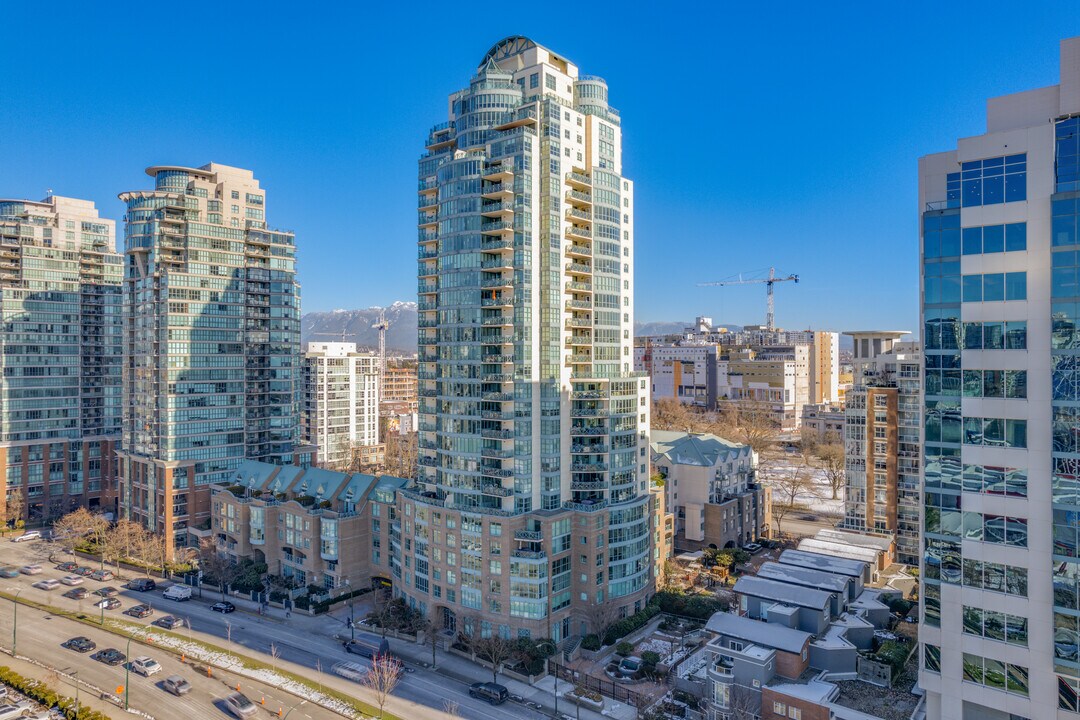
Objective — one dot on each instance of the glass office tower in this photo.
(212, 369)
(60, 353)
(533, 505)
(1001, 506)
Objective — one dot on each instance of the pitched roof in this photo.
(782, 592)
(826, 563)
(701, 449)
(770, 635)
(795, 575)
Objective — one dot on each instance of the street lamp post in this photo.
(302, 702)
(15, 621)
(554, 651)
(127, 675)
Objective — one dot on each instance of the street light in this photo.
(15, 621)
(127, 674)
(554, 651)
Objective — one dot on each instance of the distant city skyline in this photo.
(741, 162)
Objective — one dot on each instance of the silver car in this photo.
(240, 706)
(176, 685)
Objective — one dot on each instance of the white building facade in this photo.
(341, 401)
(1000, 302)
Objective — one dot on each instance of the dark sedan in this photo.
(170, 622)
(109, 656)
(140, 611)
(83, 571)
(223, 607)
(67, 567)
(77, 593)
(107, 591)
(80, 644)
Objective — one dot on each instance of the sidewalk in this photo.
(334, 625)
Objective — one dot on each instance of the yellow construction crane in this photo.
(770, 319)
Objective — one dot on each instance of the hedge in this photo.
(42, 693)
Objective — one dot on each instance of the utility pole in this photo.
(15, 621)
(127, 674)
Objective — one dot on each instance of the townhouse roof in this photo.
(824, 562)
(699, 449)
(794, 575)
(769, 635)
(782, 592)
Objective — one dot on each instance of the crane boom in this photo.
(770, 305)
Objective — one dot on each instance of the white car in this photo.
(30, 569)
(28, 535)
(47, 584)
(240, 706)
(72, 580)
(145, 665)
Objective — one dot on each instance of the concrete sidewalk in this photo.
(334, 625)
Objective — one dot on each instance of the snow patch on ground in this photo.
(817, 498)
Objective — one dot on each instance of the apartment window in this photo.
(794, 713)
(549, 83)
(779, 708)
(995, 239)
(991, 181)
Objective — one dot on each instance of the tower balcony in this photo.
(427, 220)
(497, 262)
(497, 209)
(578, 268)
(497, 190)
(498, 173)
(578, 180)
(498, 228)
(503, 300)
(498, 320)
(575, 213)
(580, 359)
(578, 250)
(579, 287)
(578, 322)
(498, 282)
(579, 199)
(578, 231)
(427, 202)
(501, 247)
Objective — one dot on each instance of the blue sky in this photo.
(781, 134)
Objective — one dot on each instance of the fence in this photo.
(604, 686)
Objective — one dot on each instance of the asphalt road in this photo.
(246, 633)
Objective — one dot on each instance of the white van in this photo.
(177, 592)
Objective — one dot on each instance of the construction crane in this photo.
(382, 326)
(772, 279)
(326, 334)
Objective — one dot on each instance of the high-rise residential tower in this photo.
(211, 343)
(534, 512)
(340, 411)
(882, 425)
(60, 353)
(1000, 306)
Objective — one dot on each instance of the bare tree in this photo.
(275, 653)
(750, 422)
(74, 528)
(431, 636)
(831, 456)
(600, 617)
(451, 708)
(121, 541)
(495, 650)
(217, 565)
(381, 678)
(743, 703)
(670, 414)
(787, 485)
(401, 454)
(14, 508)
(382, 610)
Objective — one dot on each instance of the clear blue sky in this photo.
(781, 135)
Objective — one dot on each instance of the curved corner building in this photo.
(532, 514)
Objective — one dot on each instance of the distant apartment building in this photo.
(1000, 235)
(340, 411)
(533, 503)
(882, 440)
(310, 526)
(711, 489)
(60, 354)
(703, 366)
(823, 423)
(399, 386)
(212, 362)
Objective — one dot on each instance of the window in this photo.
(995, 239)
(534, 80)
(794, 713)
(991, 181)
(992, 287)
(779, 708)
(549, 81)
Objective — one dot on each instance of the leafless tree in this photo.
(600, 617)
(381, 678)
(787, 485)
(275, 653)
(494, 649)
(401, 454)
(382, 609)
(14, 508)
(743, 703)
(431, 636)
(451, 709)
(121, 541)
(750, 422)
(831, 456)
(217, 565)
(76, 527)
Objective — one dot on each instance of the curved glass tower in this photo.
(533, 428)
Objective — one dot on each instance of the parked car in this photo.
(142, 585)
(140, 611)
(67, 567)
(108, 603)
(9, 572)
(240, 706)
(107, 591)
(109, 656)
(77, 593)
(170, 622)
(28, 535)
(83, 571)
(11, 712)
(72, 580)
(145, 666)
(177, 592)
(80, 644)
(30, 569)
(176, 685)
(493, 693)
(368, 645)
(47, 584)
(102, 575)
(223, 607)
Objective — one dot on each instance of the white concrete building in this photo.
(341, 400)
(1000, 304)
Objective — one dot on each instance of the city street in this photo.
(304, 643)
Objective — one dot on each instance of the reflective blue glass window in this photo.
(1015, 237)
(1067, 155)
(994, 239)
(972, 241)
(993, 287)
(952, 190)
(1016, 286)
(1063, 229)
(993, 181)
(973, 288)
